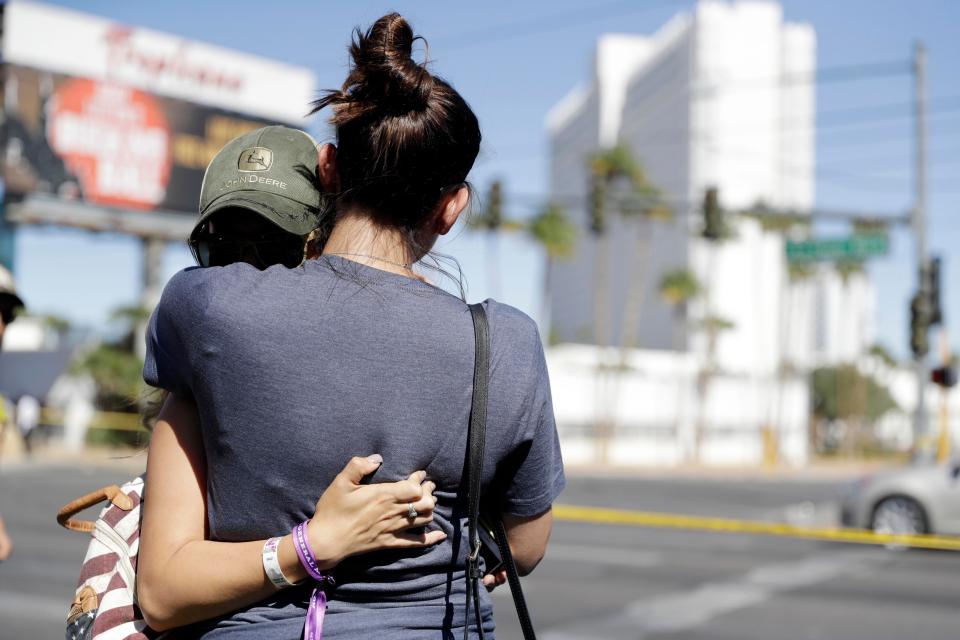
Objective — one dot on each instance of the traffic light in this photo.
(598, 204)
(494, 217)
(936, 311)
(944, 376)
(713, 228)
(919, 324)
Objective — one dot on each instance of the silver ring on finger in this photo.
(411, 511)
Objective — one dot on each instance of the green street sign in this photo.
(850, 249)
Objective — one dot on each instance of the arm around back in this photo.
(182, 577)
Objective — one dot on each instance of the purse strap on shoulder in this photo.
(475, 446)
(475, 443)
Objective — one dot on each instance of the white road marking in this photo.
(614, 556)
(603, 555)
(808, 513)
(681, 611)
(20, 605)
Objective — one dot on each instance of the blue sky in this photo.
(513, 61)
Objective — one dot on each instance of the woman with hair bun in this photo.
(294, 369)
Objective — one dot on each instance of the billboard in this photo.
(124, 119)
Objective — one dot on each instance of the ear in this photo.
(327, 168)
(451, 206)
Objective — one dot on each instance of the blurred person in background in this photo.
(10, 304)
(27, 418)
(294, 369)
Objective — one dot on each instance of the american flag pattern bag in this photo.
(105, 606)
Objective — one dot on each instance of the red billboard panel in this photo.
(107, 144)
(107, 125)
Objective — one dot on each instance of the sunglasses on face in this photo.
(8, 311)
(260, 250)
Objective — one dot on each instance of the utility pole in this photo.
(152, 285)
(919, 216)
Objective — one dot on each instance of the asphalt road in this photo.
(598, 582)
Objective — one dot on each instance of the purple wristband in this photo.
(305, 553)
(313, 625)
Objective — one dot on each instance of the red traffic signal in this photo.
(944, 376)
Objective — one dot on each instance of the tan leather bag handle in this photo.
(112, 493)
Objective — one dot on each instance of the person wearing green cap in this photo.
(260, 201)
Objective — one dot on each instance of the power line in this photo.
(945, 105)
(684, 208)
(834, 119)
(822, 75)
(943, 155)
(871, 136)
(546, 24)
(838, 73)
(855, 121)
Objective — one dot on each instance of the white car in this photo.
(923, 498)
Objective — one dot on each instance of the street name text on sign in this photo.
(855, 248)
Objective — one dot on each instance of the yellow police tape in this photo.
(599, 515)
(108, 420)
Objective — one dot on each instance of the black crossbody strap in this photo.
(513, 577)
(475, 442)
(476, 439)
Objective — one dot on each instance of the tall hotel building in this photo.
(721, 97)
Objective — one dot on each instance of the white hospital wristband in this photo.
(271, 564)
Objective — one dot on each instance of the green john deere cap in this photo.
(271, 171)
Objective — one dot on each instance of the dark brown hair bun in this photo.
(403, 134)
(383, 74)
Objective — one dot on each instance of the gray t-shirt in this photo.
(296, 370)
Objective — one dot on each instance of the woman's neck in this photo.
(356, 237)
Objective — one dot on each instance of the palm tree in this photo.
(712, 326)
(879, 351)
(552, 230)
(493, 222)
(677, 288)
(115, 367)
(640, 200)
(797, 273)
(846, 269)
(715, 231)
(600, 177)
(645, 205)
(609, 168)
(643, 201)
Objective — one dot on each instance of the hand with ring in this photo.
(353, 518)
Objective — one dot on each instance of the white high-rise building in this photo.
(720, 97)
(723, 96)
